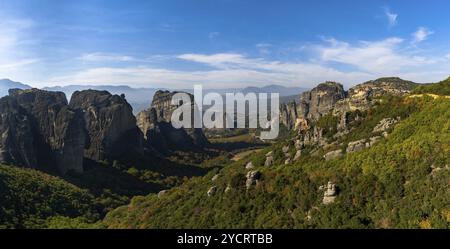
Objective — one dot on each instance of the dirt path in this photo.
(238, 156)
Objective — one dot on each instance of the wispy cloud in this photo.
(391, 17)
(376, 57)
(213, 35)
(363, 60)
(264, 48)
(421, 34)
(105, 57)
(13, 57)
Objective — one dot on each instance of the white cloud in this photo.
(448, 56)
(375, 57)
(294, 75)
(391, 17)
(363, 60)
(220, 60)
(227, 70)
(105, 57)
(421, 34)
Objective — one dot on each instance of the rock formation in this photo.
(320, 100)
(269, 161)
(155, 124)
(330, 97)
(298, 154)
(215, 177)
(356, 145)
(385, 124)
(211, 191)
(288, 114)
(110, 124)
(381, 87)
(39, 130)
(17, 139)
(330, 193)
(252, 178)
(333, 154)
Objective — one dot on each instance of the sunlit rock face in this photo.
(330, 97)
(320, 100)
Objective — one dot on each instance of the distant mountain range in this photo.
(6, 84)
(140, 98)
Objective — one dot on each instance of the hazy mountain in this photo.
(140, 98)
(6, 84)
(282, 90)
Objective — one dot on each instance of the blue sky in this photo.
(222, 43)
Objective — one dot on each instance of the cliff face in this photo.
(320, 100)
(39, 130)
(313, 104)
(331, 97)
(110, 124)
(158, 131)
(17, 139)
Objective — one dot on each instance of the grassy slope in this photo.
(389, 185)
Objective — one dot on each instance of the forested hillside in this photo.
(32, 199)
(401, 181)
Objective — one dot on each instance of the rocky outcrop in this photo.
(288, 115)
(162, 193)
(372, 141)
(381, 87)
(330, 97)
(330, 193)
(39, 130)
(320, 100)
(17, 139)
(333, 154)
(385, 124)
(215, 177)
(252, 178)
(211, 191)
(269, 161)
(298, 154)
(110, 124)
(356, 146)
(312, 136)
(155, 124)
(249, 165)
